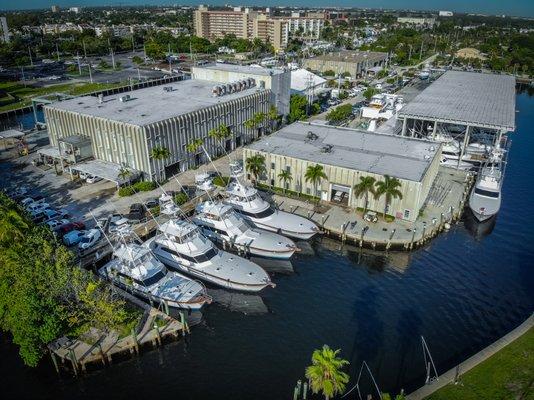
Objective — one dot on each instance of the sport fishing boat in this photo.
(485, 198)
(248, 203)
(219, 222)
(181, 246)
(135, 269)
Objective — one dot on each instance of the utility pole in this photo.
(79, 65)
(112, 55)
(170, 60)
(133, 43)
(57, 51)
(410, 54)
(30, 52)
(421, 50)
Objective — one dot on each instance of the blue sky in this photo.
(523, 8)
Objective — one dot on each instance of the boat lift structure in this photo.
(468, 107)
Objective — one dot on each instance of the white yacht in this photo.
(135, 269)
(218, 221)
(181, 246)
(204, 182)
(248, 203)
(485, 198)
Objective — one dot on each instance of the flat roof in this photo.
(105, 169)
(244, 69)
(382, 154)
(351, 56)
(151, 104)
(11, 133)
(467, 98)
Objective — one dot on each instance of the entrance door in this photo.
(172, 169)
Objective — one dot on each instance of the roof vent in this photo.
(311, 136)
(124, 98)
(168, 88)
(326, 148)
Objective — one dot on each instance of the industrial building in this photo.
(346, 155)
(123, 129)
(468, 107)
(247, 23)
(356, 63)
(278, 81)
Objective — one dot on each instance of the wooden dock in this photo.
(100, 350)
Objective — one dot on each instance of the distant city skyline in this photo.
(522, 8)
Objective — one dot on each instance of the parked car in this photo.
(62, 230)
(56, 223)
(31, 200)
(137, 212)
(34, 208)
(92, 179)
(73, 237)
(89, 239)
(51, 214)
(371, 216)
(151, 203)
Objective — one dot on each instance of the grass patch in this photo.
(133, 316)
(509, 374)
(23, 94)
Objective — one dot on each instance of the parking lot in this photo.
(82, 200)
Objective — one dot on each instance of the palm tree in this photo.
(325, 373)
(160, 153)
(272, 116)
(256, 120)
(124, 173)
(286, 177)
(315, 174)
(366, 186)
(256, 165)
(389, 188)
(193, 146)
(220, 133)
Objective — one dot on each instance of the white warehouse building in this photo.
(123, 129)
(346, 155)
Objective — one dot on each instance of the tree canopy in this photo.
(43, 295)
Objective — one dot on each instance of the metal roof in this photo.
(467, 98)
(11, 133)
(381, 154)
(105, 170)
(153, 104)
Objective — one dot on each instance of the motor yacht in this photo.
(219, 222)
(204, 182)
(248, 203)
(135, 269)
(181, 246)
(485, 198)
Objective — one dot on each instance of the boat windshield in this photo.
(260, 214)
(154, 278)
(486, 193)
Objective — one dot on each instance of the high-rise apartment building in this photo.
(249, 24)
(5, 30)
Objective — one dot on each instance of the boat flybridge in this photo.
(485, 198)
(135, 269)
(181, 246)
(248, 203)
(204, 182)
(219, 221)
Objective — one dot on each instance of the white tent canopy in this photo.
(105, 170)
(11, 134)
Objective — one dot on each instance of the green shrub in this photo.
(144, 186)
(221, 181)
(126, 191)
(155, 211)
(180, 198)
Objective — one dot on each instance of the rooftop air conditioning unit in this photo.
(124, 98)
(326, 148)
(168, 88)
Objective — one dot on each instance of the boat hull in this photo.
(193, 306)
(262, 224)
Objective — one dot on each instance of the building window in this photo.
(272, 182)
(308, 191)
(272, 165)
(288, 168)
(407, 214)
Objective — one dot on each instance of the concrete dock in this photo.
(100, 348)
(444, 205)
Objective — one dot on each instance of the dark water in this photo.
(461, 292)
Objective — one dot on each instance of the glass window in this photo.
(406, 214)
(487, 193)
(154, 278)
